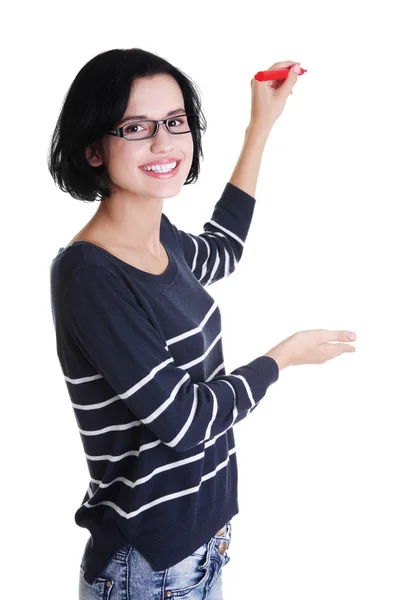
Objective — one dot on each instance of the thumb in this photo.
(286, 88)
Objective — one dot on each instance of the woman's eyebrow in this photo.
(134, 117)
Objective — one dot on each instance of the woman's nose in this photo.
(163, 138)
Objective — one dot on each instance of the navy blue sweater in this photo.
(142, 358)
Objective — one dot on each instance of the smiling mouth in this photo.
(161, 173)
(171, 162)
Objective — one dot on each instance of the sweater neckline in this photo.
(167, 277)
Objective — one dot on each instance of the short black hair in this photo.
(96, 100)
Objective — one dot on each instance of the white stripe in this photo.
(214, 414)
(195, 330)
(196, 251)
(189, 421)
(118, 457)
(227, 264)
(97, 405)
(235, 410)
(119, 427)
(148, 377)
(204, 268)
(202, 357)
(143, 448)
(167, 402)
(228, 231)
(82, 379)
(148, 446)
(214, 439)
(168, 467)
(215, 410)
(246, 385)
(112, 458)
(214, 270)
(166, 498)
(219, 368)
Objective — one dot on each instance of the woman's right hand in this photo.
(311, 347)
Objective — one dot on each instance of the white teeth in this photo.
(161, 168)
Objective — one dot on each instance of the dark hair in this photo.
(96, 100)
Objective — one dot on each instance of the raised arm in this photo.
(215, 253)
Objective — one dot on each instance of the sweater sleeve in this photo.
(215, 253)
(116, 336)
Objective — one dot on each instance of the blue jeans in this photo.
(129, 576)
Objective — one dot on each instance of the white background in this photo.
(319, 459)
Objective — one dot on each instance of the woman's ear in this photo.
(93, 155)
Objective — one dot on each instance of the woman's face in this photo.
(154, 97)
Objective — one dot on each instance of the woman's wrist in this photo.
(278, 357)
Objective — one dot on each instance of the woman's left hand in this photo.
(269, 97)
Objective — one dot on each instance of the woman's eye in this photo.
(131, 128)
(135, 127)
(175, 121)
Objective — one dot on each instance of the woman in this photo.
(138, 336)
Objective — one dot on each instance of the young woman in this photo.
(138, 336)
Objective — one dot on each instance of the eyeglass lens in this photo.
(140, 130)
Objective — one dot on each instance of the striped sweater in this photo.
(142, 358)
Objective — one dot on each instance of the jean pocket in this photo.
(100, 589)
(190, 573)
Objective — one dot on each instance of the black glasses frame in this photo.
(119, 131)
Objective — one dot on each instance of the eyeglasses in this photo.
(142, 130)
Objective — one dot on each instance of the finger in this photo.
(287, 84)
(338, 349)
(340, 335)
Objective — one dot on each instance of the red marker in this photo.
(273, 74)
